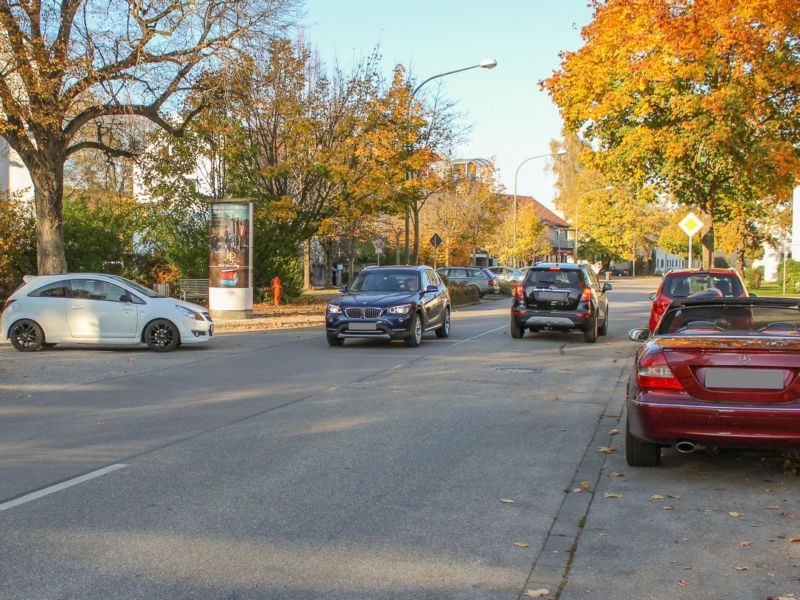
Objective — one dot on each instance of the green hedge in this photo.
(463, 294)
(792, 276)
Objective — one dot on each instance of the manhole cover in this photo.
(526, 370)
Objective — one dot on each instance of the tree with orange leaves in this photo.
(696, 97)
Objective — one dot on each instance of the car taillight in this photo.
(586, 296)
(8, 303)
(519, 292)
(654, 373)
(491, 282)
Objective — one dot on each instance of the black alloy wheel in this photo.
(604, 328)
(444, 330)
(162, 335)
(639, 453)
(590, 335)
(516, 330)
(26, 336)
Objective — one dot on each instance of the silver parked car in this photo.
(482, 279)
(507, 273)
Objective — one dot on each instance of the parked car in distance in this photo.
(481, 279)
(95, 308)
(560, 297)
(390, 303)
(507, 273)
(680, 283)
(719, 372)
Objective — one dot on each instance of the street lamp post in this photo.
(577, 204)
(488, 63)
(516, 173)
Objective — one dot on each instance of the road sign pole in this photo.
(690, 251)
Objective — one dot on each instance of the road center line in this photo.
(60, 486)
(475, 337)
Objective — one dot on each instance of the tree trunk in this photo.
(415, 215)
(48, 186)
(307, 265)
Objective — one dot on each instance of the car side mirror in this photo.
(752, 295)
(638, 335)
(652, 296)
(431, 289)
(343, 289)
(607, 287)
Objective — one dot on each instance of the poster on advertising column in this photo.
(230, 258)
(230, 246)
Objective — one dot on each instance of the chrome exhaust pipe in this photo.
(685, 446)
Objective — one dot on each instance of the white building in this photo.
(14, 177)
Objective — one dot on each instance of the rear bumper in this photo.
(664, 418)
(560, 320)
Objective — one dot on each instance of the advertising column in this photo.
(230, 270)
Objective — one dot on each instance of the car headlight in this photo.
(188, 313)
(334, 309)
(403, 309)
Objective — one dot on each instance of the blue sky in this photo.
(510, 118)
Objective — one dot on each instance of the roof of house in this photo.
(544, 213)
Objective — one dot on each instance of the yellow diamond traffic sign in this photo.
(690, 224)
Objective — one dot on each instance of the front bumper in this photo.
(667, 418)
(387, 327)
(195, 332)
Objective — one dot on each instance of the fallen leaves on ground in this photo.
(616, 474)
(664, 496)
(522, 544)
(786, 515)
(507, 501)
(606, 449)
(745, 543)
(541, 593)
(683, 582)
(793, 540)
(613, 431)
(612, 495)
(742, 569)
(733, 513)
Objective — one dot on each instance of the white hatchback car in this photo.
(91, 308)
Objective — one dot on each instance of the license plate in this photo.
(754, 379)
(558, 296)
(361, 327)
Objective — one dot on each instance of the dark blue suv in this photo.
(390, 303)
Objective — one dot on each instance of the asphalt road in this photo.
(269, 465)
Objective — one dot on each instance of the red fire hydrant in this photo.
(276, 291)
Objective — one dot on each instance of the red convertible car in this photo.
(716, 372)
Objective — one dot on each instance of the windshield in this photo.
(386, 281)
(719, 319)
(138, 287)
(681, 286)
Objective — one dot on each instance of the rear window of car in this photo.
(565, 278)
(681, 286)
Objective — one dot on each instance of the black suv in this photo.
(562, 297)
(390, 303)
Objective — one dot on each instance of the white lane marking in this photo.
(475, 337)
(60, 486)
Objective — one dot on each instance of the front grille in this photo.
(362, 313)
